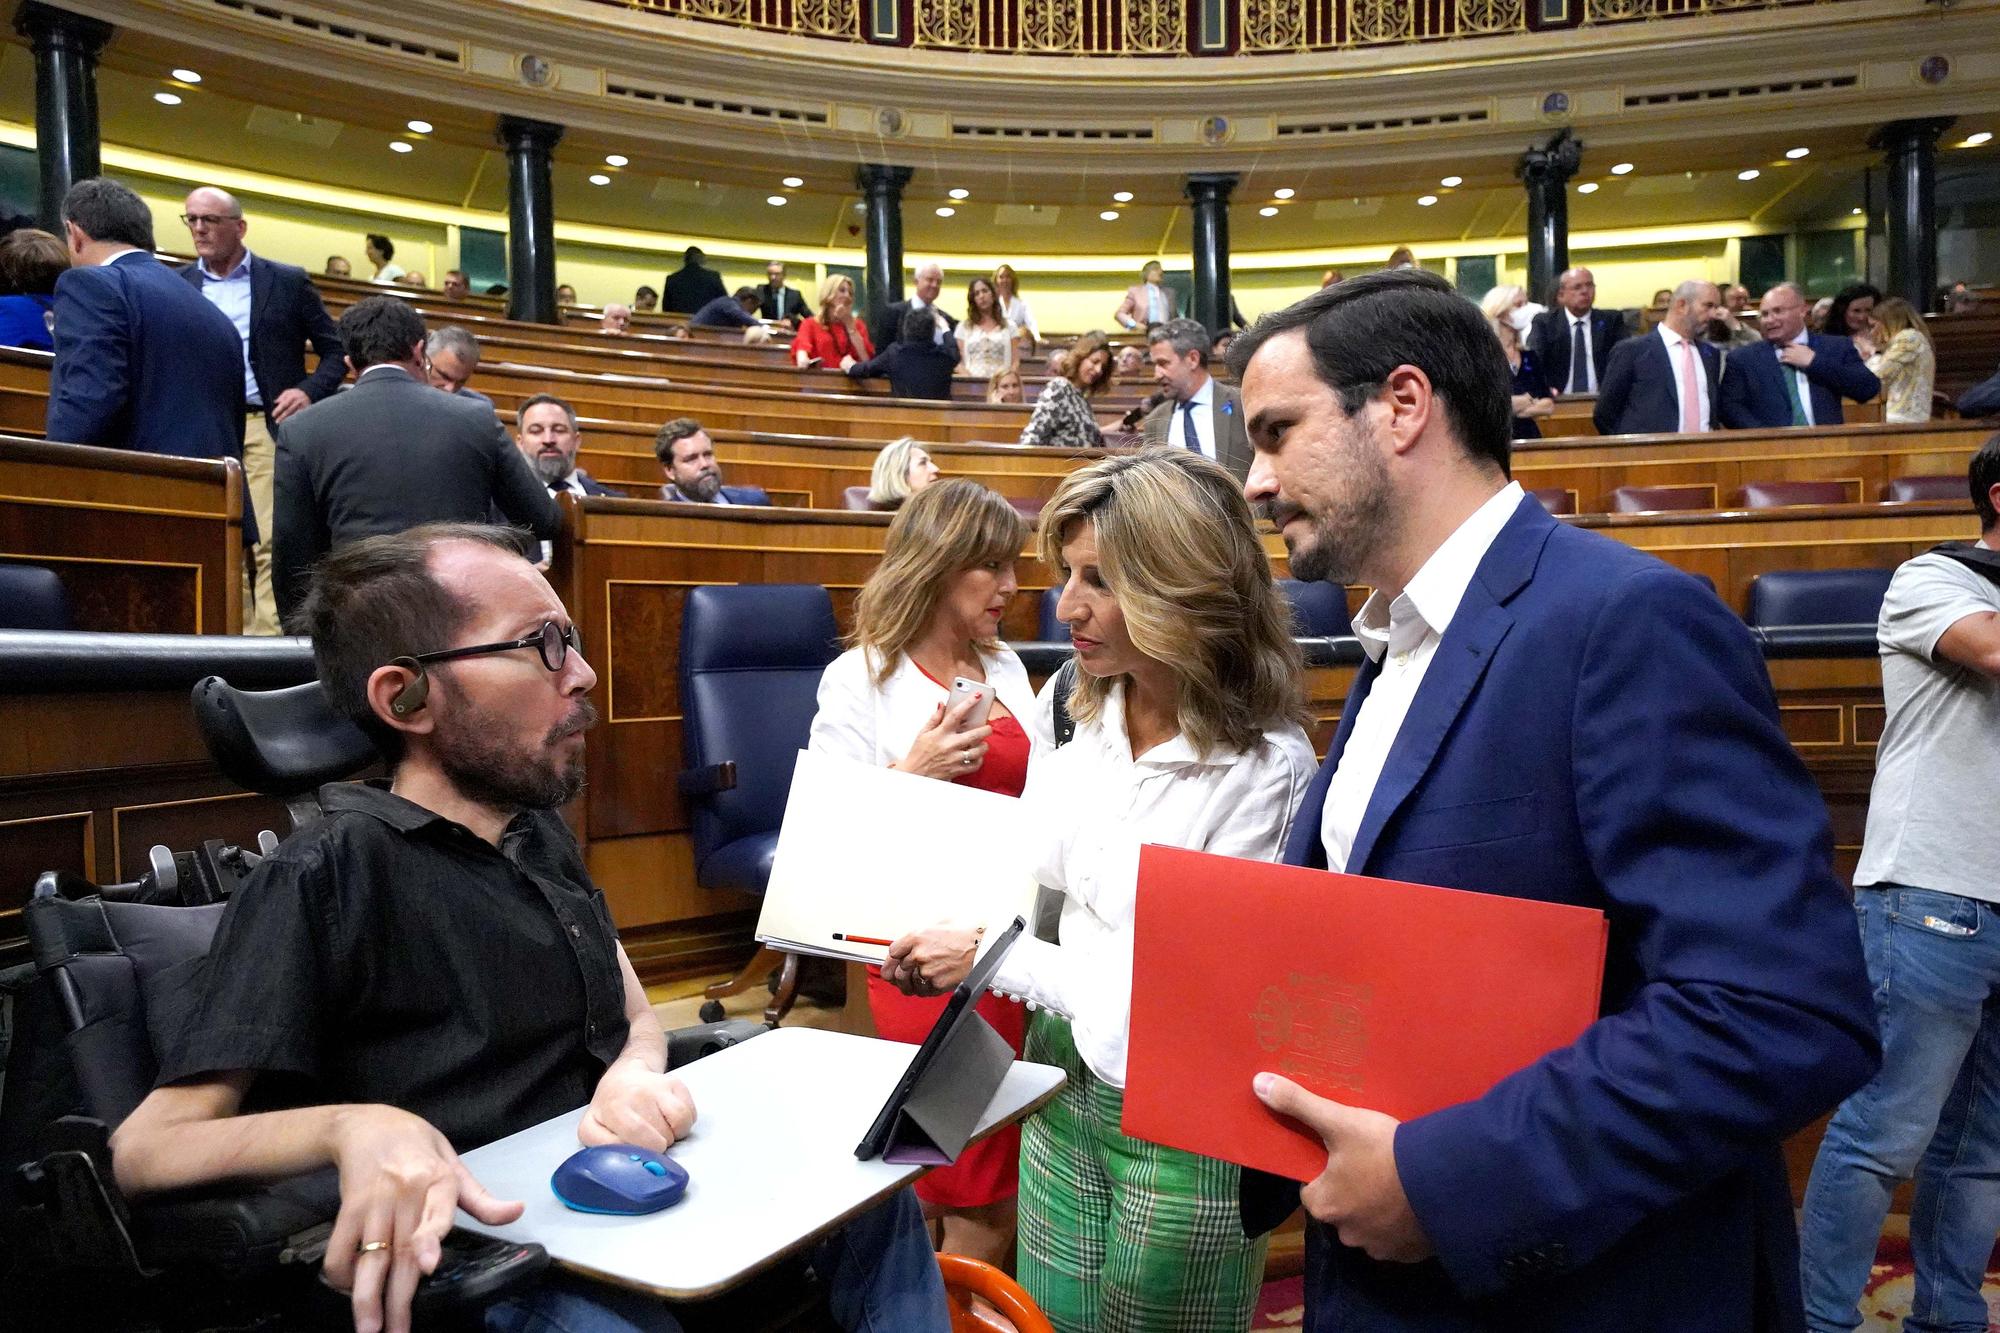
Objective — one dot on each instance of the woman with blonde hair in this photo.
(1006, 388)
(1008, 285)
(1062, 417)
(903, 468)
(834, 337)
(931, 612)
(1898, 349)
(1187, 704)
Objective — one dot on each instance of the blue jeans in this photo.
(1933, 1109)
(879, 1272)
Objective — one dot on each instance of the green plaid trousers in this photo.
(1122, 1236)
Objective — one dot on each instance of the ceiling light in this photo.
(396, 146)
(960, 194)
(420, 127)
(1854, 212)
(1796, 153)
(1748, 174)
(946, 211)
(1974, 140)
(1285, 193)
(1109, 215)
(792, 182)
(1268, 211)
(167, 99)
(616, 160)
(1452, 182)
(187, 76)
(1621, 169)
(1122, 197)
(599, 178)
(776, 200)
(1426, 200)
(1588, 187)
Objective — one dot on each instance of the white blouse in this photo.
(1094, 805)
(987, 351)
(873, 724)
(1022, 318)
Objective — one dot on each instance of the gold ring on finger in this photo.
(370, 1246)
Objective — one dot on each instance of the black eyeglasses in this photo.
(553, 641)
(194, 220)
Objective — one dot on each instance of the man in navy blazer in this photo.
(687, 456)
(1793, 377)
(141, 361)
(1554, 335)
(1548, 714)
(1649, 381)
(276, 311)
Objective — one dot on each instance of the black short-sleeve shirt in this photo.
(390, 955)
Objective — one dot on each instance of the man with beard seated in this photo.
(430, 968)
(687, 456)
(545, 429)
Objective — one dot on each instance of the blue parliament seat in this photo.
(1319, 610)
(32, 597)
(1817, 597)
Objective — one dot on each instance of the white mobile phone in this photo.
(963, 688)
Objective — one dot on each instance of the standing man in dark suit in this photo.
(692, 286)
(1793, 377)
(391, 453)
(276, 311)
(887, 324)
(1201, 413)
(1665, 381)
(141, 361)
(1572, 343)
(777, 301)
(1546, 713)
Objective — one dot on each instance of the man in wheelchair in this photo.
(429, 967)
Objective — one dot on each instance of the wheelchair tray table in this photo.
(770, 1163)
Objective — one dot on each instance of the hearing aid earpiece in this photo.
(411, 697)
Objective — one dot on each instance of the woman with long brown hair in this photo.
(1062, 417)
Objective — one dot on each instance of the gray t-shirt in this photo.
(1931, 815)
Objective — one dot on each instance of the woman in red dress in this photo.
(834, 336)
(931, 612)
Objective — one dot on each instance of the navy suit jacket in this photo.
(1549, 340)
(914, 370)
(144, 362)
(1598, 729)
(286, 314)
(736, 495)
(1753, 389)
(1636, 395)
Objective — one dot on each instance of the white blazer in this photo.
(873, 724)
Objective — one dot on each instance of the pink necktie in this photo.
(1690, 391)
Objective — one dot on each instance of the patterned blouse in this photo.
(1908, 370)
(987, 351)
(1062, 419)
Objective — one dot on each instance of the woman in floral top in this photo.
(1062, 417)
(1899, 352)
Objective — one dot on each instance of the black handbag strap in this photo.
(1065, 681)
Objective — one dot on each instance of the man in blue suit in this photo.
(687, 456)
(141, 361)
(1793, 377)
(1665, 381)
(1548, 714)
(276, 311)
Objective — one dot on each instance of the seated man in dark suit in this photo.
(430, 967)
(1793, 377)
(547, 433)
(1982, 399)
(1550, 714)
(1575, 323)
(141, 361)
(917, 364)
(886, 325)
(392, 453)
(687, 456)
(451, 359)
(276, 311)
(738, 311)
(1665, 381)
(692, 286)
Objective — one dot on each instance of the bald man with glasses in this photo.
(276, 311)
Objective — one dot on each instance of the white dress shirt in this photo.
(1092, 805)
(1570, 322)
(1675, 343)
(877, 724)
(1403, 636)
(1203, 406)
(230, 293)
(1803, 339)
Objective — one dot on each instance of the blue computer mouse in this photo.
(618, 1178)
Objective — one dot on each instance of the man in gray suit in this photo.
(391, 453)
(1200, 414)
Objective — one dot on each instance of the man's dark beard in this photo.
(488, 771)
(704, 488)
(1344, 540)
(552, 468)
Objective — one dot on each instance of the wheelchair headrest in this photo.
(279, 742)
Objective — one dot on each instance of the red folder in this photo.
(1401, 998)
